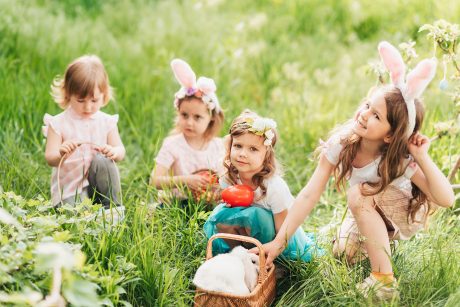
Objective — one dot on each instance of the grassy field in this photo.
(301, 62)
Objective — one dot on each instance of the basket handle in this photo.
(58, 175)
(262, 270)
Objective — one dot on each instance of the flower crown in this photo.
(262, 127)
(204, 88)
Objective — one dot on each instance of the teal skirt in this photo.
(261, 225)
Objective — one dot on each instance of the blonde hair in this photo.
(214, 126)
(80, 79)
(392, 164)
(240, 126)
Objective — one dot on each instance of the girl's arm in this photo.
(279, 219)
(303, 205)
(55, 149)
(429, 177)
(161, 178)
(114, 148)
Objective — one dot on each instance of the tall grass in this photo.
(301, 62)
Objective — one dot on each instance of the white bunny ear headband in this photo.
(415, 83)
(204, 88)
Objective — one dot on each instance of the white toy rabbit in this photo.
(235, 272)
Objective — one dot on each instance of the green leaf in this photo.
(81, 292)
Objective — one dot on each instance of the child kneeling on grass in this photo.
(392, 180)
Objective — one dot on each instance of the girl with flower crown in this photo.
(392, 180)
(250, 160)
(193, 145)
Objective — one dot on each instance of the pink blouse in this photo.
(177, 155)
(70, 126)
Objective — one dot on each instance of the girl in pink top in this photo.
(85, 137)
(192, 145)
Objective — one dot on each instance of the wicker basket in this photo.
(262, 295)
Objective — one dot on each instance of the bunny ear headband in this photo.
(204, 88)
(416, 81)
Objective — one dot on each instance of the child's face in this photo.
(85, 107)
(371, 120)
(194, 118)
(247, 153)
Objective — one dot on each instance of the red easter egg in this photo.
(212, 178)
(239, 195)
(210, 175)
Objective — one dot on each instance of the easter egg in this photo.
(206, 191)
(443, 85)
(239, 195)
(210, 175)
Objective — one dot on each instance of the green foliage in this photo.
(301, 62)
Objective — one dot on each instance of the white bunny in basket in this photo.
(235, 272)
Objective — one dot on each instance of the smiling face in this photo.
(371, 121)
(87, 106)
(247, 153)
(193, 118)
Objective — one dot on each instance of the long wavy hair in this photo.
(393, 154)
(239, 127)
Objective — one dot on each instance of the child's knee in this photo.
(356, 201)
(99, 161)
(226, 228)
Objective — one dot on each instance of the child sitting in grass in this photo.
(250, 160)
(193, 145)
(82, 137)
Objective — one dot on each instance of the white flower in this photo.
(211, 106)
(264, 127)
(258, 124)
(263, 124)
(269, 134)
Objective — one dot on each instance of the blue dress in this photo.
(260, 222)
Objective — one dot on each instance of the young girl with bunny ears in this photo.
(193, 146)
(85, 140)
(250, 160)
(392, 180)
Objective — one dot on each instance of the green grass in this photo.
(303, 67)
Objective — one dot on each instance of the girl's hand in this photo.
(419, 145)
(272, 250)
(68, 147)
(108, 151)
(211, 196)
(196, 182)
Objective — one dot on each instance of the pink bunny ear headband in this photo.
(413, 86)
(204, 88)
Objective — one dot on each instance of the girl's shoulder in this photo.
(109, 118)
(275, 183)
(177, 138)
(53, 121)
